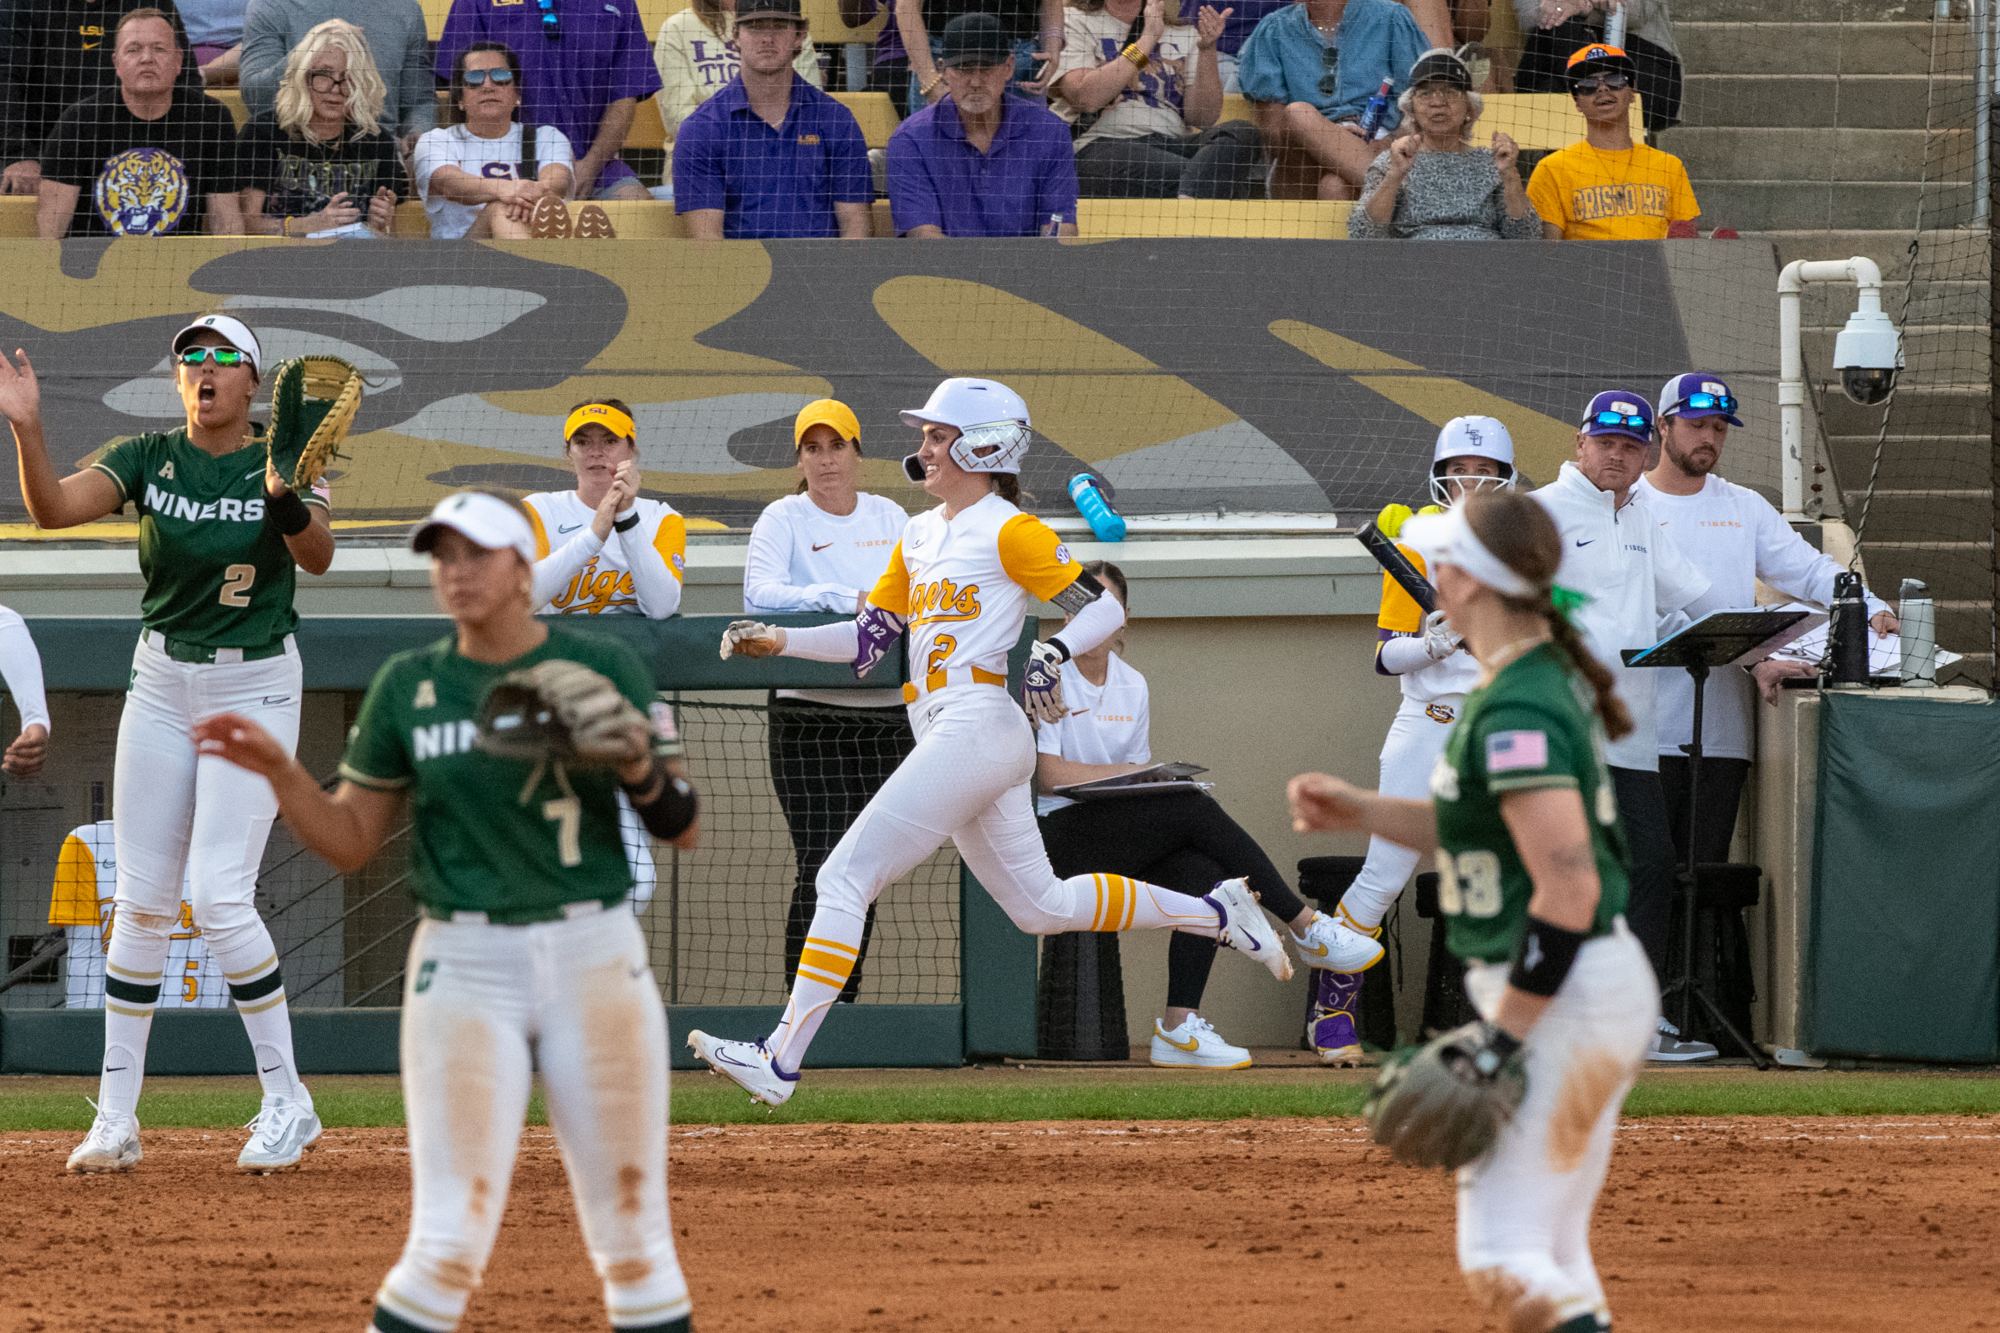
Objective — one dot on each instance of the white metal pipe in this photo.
(1866, 275)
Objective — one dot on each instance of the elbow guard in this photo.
(672, 807)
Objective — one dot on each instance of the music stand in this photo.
(1720, 638)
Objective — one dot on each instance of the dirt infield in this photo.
(1769, 1224)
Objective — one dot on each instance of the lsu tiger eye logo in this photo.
(1439, 712)
(142, 192)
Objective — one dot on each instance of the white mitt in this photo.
(751, 638)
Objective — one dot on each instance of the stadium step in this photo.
(1808, 101)
(1737, 153)
(1952, 570)
(1958, 514)
(1772, 205)
(1794, 47)
(1796, 14)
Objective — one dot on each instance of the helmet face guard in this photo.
(993, 446)
(1441, 484)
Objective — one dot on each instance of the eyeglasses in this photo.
(501, 77)
(551, 21)
(1612, 81)
(1435, 92)
(1634, 422)
(1329, 61)
(1708, 402)
(326, 81)
(222, 356)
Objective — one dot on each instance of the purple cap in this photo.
(1626, 405)
(1716, 399)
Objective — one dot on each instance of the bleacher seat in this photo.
(17, 216)
(232, 99)
(1156, 219)
(1539, 121)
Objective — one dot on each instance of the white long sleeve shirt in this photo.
(1107, 724)
(21, 668)
(636, 572)
(1636, 579)
(1735, 537)
(802, 558)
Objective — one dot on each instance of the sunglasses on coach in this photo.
(1612, 81)
(501, 77)
(1633, 422)
(1707, 402)
(222, 356)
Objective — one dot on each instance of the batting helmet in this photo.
(1472, 437)
(992, 424)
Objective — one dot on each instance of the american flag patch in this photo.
(1507, 750)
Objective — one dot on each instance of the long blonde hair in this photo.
(366, 92)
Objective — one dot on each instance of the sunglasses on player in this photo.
(1629, 421)
(501, 77)
(222, 356)
(1614, 82)
(1707, 402)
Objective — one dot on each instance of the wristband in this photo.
(1138, 58)
(1060, 647)
(287, 513)
(626, 524)
(1544, 957)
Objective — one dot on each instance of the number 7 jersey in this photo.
(965, 587)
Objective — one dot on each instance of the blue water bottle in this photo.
(1088, 493)
(1377, 110)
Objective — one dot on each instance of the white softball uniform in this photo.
(83, 903)
(1106, 725)
(637, 572)
(1524, 1208)
(802, 558)
(21, 668)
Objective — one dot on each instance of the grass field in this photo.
(992, 1094)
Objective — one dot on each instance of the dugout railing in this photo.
(948, 975)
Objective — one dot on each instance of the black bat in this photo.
(1399, 567)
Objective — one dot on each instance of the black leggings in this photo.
(1185, 842)
(1225, 162)
(826, 764)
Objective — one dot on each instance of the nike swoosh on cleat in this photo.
(1189, 1045)
(1319, 951)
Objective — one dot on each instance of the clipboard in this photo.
(1159, 780)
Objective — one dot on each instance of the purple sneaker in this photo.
(1331, 1029)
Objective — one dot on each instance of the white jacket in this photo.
(1734, 536)
(1637, 580)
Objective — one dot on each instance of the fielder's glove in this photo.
(1446, 1104)
(1439, 641)
(313, 402)
(1041, 685)
(562, 712)
(749, 637)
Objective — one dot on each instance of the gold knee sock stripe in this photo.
(143, 978)
(128, 1012)
(256, 971)
(271, 1001)
(1117, 901)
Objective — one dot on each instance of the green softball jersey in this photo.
(496, 835)
(216, 573)
(1531, 727)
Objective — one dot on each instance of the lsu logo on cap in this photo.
(1632, 409)
(1710, 386)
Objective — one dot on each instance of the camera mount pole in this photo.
(1865, 275)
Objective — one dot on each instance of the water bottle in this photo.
(1377, 110)
(1088, 494)
(1847, 636)
(1919, 619)
(1614, 27)
(1055, 225)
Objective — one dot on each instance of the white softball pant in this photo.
(1524, 1208)
(480, 1004)
(175, 809)
(1409, 752)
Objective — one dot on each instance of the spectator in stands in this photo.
(1604, 187)
(53, 54)
(144, 158)
(474, 177)
(771, 155)
(584, 68)
(1433, 185)
(215, 38)
(1311, 68)
(981, 163)
(1243, 20)
(920, 24)
(1555, 28)
(1142, 92)
(398, 42)
(696, 56)
(320, 163)
(823, 549)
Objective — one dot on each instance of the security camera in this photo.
(1868, 353)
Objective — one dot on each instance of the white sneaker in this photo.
(111, 1145)
(747, 1064)
(1195, 1045)
(1668, 1047)
(1337, 947)
(284, 1130)
(1245, 929)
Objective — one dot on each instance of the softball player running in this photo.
(219, 536)
(522, 955)
(628, 557)
(961, 580)
(1531, 860)
(1435, 671)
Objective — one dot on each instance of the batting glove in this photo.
(749, 637)
(1439, 641)
(1041, 684)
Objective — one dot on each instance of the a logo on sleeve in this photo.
(1062, 554)
(166, 472)
(427, 695)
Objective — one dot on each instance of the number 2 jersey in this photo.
(501, 836)
(1529, 729)
(216, 573)
(83, 904)
(965, 587)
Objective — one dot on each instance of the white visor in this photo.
(483, 520)
(234, 330)
(1447, 539)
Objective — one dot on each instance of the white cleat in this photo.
(1195, 1045)
(284, 1130)
(1245, 928)
(111, 1145)
(747, 1064)
(1337, 947)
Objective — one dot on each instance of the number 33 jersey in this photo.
(216, 573)
(1529, 729)
(965, 587)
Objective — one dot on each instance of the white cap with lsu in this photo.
(234, 330)
(484, 520)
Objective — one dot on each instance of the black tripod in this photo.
(1720, 638)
